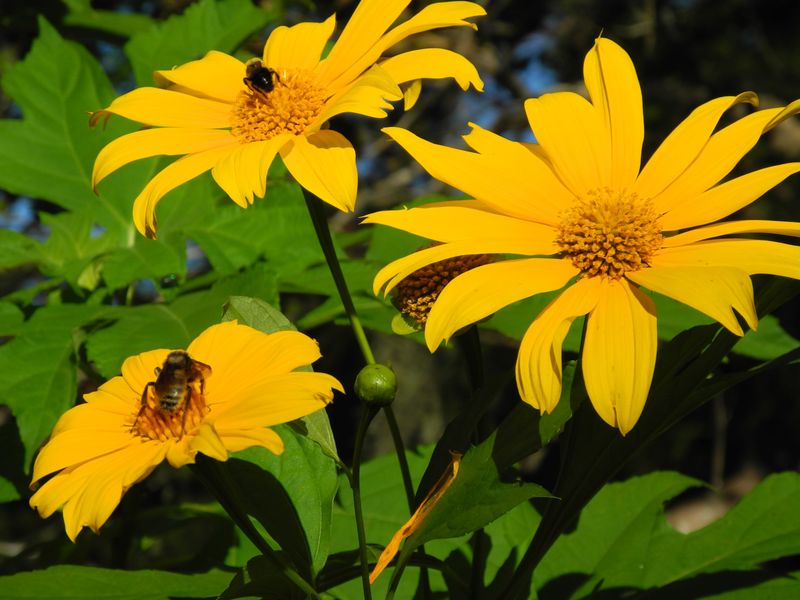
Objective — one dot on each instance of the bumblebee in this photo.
(175, 382)
(260, 79)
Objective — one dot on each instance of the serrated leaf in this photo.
(207, 25)
(71, 246)
(309, 481)
(70, 582)
(39, 373)
(81, 14)
(232, 239)
(49, 153)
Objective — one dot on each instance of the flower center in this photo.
(609, 233)
(415, 295)
(292, 104)
(163, 420)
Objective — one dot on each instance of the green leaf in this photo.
(39, 381)
(232, 239)
(140, 328)
(17, 249)
(256, 313)
(11, 319)
(49, 153)
(70, 582)
(262, 579)
(457, 511)
(770, 341)
(81, 14)
(70, 247)
(207, 25)
(144, 259)
(13, 481)
(309, 482)
(317, 428)
(623, 540)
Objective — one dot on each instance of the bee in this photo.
(175, 382)
(259, 79)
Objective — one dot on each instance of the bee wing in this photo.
(203, 368)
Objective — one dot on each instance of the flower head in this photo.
(220, 396)
(232, 117)
(579, 214)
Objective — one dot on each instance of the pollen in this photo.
(153, 422)
(608, 233)
(414, 296)
(290, 107)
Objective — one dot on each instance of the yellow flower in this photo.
(219, 121)
(243, 384)
(578, 212)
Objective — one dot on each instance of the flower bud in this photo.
(376, 384)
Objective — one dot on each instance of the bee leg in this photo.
(143, 403)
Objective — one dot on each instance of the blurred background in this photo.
(685, 51)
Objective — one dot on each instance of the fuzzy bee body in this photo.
(174, 380)
(259, 79)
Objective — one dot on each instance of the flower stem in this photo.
(224, 488)
(314, 205)
(368, 412)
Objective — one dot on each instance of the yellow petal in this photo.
(168, 108)
(299, 46)
(614, 89)
(730, 227)
(154, 142)
(217, 76)
(242, 173)
(396, 271)
(325, 165)
(91, 491)
(511, 179)
(240, 439)
(368, 23)
(181, 171)
(571, 133)
(484, 290)
(539, 359)
(714, 291)
(619, 353)
(275, 400)
(444, 223)
(726, 198)
(431, 499)
(751, 256)
(362, 49)
(241, 356)
(684, 144)
(140, 369)
(411, 94)
(432, 63)
(206, 441)
(75, 446)
(722, 152)
(369, 95)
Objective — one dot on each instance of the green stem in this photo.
(368, 412)
(224, 488)
(315, 210)
(401, 456)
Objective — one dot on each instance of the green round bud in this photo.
(376, 384)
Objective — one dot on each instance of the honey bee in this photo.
(175, 382)
(259, 79)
